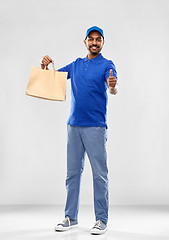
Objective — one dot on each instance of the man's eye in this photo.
(97, 39)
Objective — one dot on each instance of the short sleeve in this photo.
(107, 72)
(68, 68)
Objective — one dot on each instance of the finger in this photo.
(50, 60)
(112, 84)
(111, 72)
(45, 59)
(112, 79)
(45, 62)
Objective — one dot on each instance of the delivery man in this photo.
(87, 128)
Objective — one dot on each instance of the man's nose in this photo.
(94, 41)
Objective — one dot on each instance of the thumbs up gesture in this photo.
(111, 81)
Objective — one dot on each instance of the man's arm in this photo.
(112, 83)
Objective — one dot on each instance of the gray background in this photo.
(33, 131)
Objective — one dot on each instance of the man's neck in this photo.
(90, 56)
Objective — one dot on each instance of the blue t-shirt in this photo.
(89, 90)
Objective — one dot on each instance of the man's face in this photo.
(94, 42)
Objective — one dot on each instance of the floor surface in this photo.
(125, 223)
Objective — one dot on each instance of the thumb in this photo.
(111, 72)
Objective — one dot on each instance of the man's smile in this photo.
(94, 47)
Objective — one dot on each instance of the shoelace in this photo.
(98, 224)
(66, 220)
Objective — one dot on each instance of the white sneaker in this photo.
(66, 225)
(99, 228)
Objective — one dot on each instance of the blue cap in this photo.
(94, 28)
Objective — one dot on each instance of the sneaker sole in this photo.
(97, 232)
(63, 229)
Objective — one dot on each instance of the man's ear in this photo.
(84, 42)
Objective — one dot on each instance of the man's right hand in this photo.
(45, 61)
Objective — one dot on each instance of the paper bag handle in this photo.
(52, 65)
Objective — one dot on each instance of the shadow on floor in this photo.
(79, 233)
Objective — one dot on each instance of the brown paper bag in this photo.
(47, 84)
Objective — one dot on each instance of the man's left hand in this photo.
(111, 80)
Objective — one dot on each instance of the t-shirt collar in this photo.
(96, 59)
